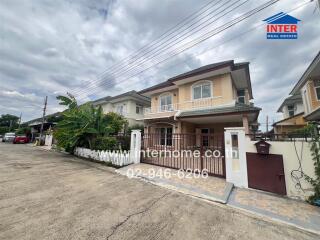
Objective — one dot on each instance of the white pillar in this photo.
(135, 146)
(235, 157)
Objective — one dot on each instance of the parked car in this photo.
(20, 139)
(8, 137)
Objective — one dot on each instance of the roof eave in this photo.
(304, 76)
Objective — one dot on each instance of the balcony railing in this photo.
(194, 104)
(161, 109)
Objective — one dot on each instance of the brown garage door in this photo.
(265, 172)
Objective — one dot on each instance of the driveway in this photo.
(48, 195)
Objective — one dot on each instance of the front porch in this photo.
(193, 131)
(197, 133)
(204, 120)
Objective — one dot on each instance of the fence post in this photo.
(235, 156)
(135, 146)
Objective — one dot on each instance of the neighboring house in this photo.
(202, 101)
(309, 88)
(130, 105)
(49, 123)
(292, 109)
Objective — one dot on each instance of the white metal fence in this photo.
(118, 158)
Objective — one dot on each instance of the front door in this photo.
(266, 172)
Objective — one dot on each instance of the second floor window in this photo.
(166, 103)
(241, 96)
(138, 109)
(291, 110)
(120, 110)
(201, 90)
(317, 88)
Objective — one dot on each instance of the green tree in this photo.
(8, 122)
(83, 126)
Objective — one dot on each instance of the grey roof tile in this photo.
(237, 108)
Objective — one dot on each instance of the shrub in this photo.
(134, 127)
(86, 126)
(105, 143)
(315, 152)
(24, 131)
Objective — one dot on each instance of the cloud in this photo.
(51, 47)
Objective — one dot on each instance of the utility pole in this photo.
(267, 124)
(20, 120)
(43, 115)
(10, 126)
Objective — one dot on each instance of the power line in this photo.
(170, 42)
(156, 56)
(243, 33)
(189, 33)
(156, 40)
(213, 32)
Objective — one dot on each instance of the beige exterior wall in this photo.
(290, 162)
(215, 128)
(223, 92)
(290, 125)
(314, 103)
(155, 99)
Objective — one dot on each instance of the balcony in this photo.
(161, 109)
(171, 109)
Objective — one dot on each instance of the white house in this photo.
(130, 105)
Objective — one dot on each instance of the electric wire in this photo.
(214, 32)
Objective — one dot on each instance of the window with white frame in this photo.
(138, 109)
(317, 88)
(166, 103)
(201, 90)
(241, 95)
(121, 110)
(290, 110)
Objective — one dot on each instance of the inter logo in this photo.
(282, 26)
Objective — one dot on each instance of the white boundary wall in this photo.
(236, 165)
(118, 158)
(291, 162)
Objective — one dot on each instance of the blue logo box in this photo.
(282, 35)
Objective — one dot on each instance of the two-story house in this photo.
(292, 110)
(309, 88)
(202, 101)
(130, 105)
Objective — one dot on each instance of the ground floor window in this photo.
(165, 136)
(205, 137)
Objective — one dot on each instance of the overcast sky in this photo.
(51, 47)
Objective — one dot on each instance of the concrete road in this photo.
(47, 195)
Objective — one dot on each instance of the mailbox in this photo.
(262, 147)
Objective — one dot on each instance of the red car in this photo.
(20, 139)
